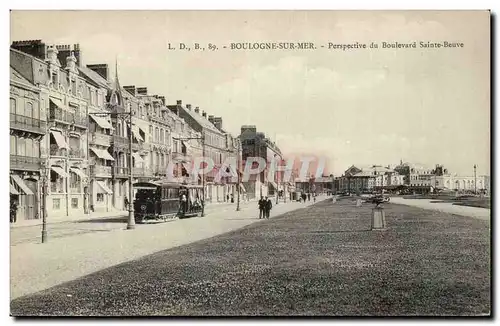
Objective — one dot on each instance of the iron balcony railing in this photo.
(57, 151)
(101, 139)
(57, 114)
(22, 122)
(20, 162)
(100, 170)
(120, 171)
(77, 153)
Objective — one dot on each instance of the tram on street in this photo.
(158, 201)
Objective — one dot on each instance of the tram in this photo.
(158, 201)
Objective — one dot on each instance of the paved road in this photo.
(36, 266)
(476, 212)
(319, 260)
(32, 234)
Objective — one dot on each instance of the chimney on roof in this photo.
(35, 48)
(211, 118)
(130, 89)
(101, 69)
(204, 114)
(179, 102)
(188, 106)
(65, 52)
(142, 90)
(197, 110)
(217, 122)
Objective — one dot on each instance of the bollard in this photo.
(359, 203)
(378, 218)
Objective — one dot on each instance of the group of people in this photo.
(265, 206)
(307, 197)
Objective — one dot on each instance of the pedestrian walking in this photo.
(183, 204)
(125, 201)
(262, 205)
(304, 197)
(269, 206)
(309, 197)
(232, 198)
(13, 210)
(227, 197)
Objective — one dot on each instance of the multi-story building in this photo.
(462, 184)
(255, 144)
(369, 178)
(27, 127)
(64, 147)
(215, 145)
(100, 138)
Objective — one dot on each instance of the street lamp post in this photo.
(131, 218)
(475, 180)
(239, 179)
(202, 138)
(44, 203)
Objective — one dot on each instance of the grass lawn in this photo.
(320, 260)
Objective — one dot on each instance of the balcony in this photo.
(25, 163)
(77, 153)
(101, 139)
(56, 151)
(67, 117)
(142, 172)
(120, 172)
(100, 171)
(20, 122)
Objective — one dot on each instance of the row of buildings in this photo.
(406, 177)
(70, 133)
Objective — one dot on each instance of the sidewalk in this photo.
(476, 212)
(99, 215)
(35, 267)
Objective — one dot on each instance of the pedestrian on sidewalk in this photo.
(262, 205)
(309, 197)
(269, 206)
(125, 201)
(232, 198)
(13, 209)
(227, 197)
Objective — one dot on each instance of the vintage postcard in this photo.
(250, 163)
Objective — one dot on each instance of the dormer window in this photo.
(54, 78)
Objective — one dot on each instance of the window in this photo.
(12, 105)
(100, 197)
(73, 86)
(29, 147)
(13, 147)
(21, 146)
(74, 182)
(56, 203)
(162, 139)
(56, 183)
(54, 79)
(150, 134)
(74, 202)
(156, 134)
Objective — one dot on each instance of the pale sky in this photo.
(427, 106)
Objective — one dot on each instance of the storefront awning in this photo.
(58, 136)
(20, 182)
(102, 122)
(78, 172)
(186, 143)
(60, 171)
(13, 190)
(104, 188)
(57, 103)
(137, 134)
(138, 158)
(101, 153)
